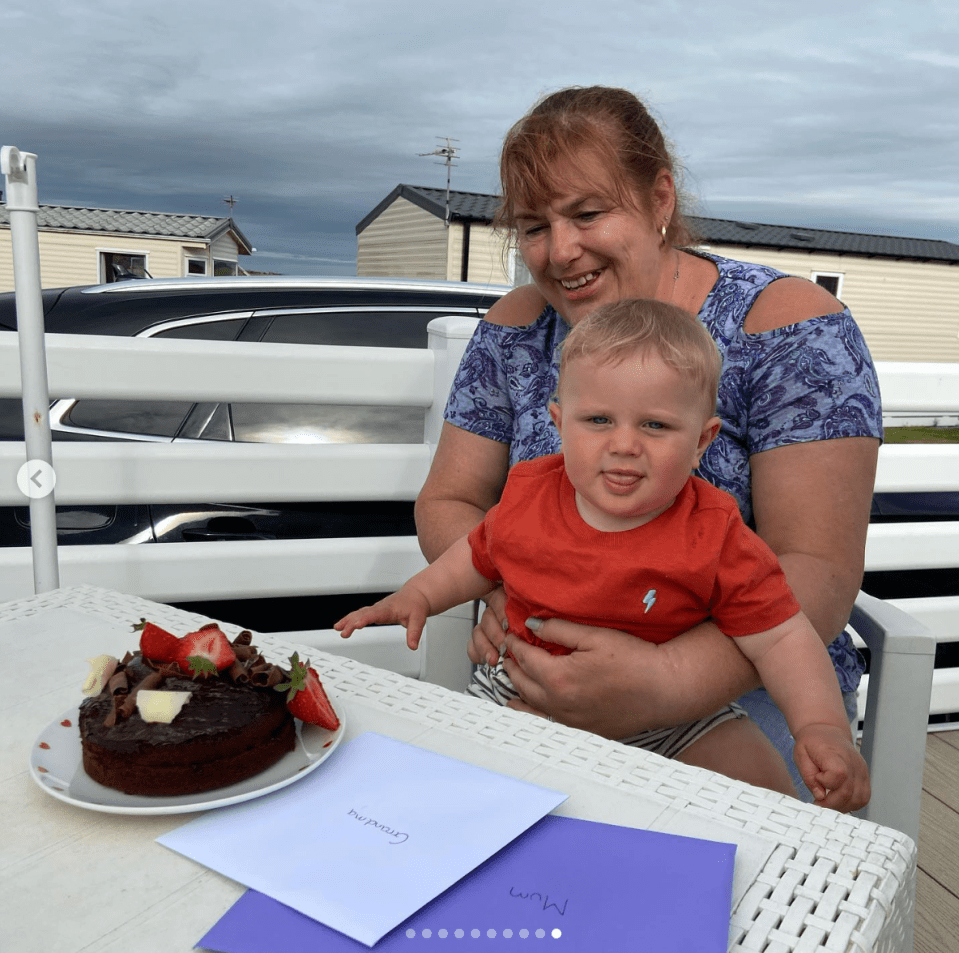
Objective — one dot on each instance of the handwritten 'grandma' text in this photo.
(386, 829)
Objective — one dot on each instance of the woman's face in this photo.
(584, 248)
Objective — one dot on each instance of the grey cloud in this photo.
(309, 113)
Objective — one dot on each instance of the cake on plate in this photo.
(192, 714)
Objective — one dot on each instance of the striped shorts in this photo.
(492, 683)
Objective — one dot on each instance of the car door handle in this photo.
(202, 535)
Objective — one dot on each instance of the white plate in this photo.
(56, 764)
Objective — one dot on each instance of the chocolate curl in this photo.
(153, 680)
(266, 675)
(244, 652)
(244, 638)
(253, 665)
(238, 673)
(119, 684)
(118, 687)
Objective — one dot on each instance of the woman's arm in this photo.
(466, 478)
(616, 685)
(469, 471)
(811, 505)
(811, 501)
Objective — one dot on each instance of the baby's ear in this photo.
(708, 435)
(556, 412)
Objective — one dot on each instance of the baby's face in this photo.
(632, 433)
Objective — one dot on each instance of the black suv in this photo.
(349, 311)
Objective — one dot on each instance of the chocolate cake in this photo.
(233, 726)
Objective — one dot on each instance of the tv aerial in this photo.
(448, 154)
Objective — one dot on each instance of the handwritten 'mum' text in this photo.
(539, 898)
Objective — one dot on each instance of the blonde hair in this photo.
(604, 121)
(637, 326)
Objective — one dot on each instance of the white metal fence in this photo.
(130, 472)
(923, 390)
(122, 472)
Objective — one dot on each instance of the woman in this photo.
(589, 195)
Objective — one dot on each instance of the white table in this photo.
(75, 880)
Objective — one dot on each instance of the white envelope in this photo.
(368, 839)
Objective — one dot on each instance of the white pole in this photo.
(36, 478)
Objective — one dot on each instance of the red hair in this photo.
(602, 121)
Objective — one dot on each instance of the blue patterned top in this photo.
(813, 380)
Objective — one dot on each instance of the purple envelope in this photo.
(593, 886)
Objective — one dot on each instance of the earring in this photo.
(662, 232)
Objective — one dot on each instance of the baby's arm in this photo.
(448, 582)
(798, 673)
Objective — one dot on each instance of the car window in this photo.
(331, 423)
(11, 418)
(208, 421)
(326, 423)
(153, 418)
(205, 330)
(358, 327)
(148, 418)
(74, 519)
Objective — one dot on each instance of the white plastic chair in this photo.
(902, 658)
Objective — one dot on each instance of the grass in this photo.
(922, 435)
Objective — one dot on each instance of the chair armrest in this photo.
(902, 652)
(443, 658)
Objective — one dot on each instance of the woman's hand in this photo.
(616, 685)
(485, 645)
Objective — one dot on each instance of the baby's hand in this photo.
(406, 607)
(832, 767)
(360, 618)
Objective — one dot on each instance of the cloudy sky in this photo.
(825, 114)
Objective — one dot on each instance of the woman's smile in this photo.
(571, 284)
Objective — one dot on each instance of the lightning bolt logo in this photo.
(649, 599)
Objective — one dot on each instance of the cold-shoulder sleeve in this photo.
(504, 383)
(814, 380)
(479, 398)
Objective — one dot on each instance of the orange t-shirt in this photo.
(697, 560)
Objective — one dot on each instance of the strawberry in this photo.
(305, 698)
(205, 652)
(156, 643)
